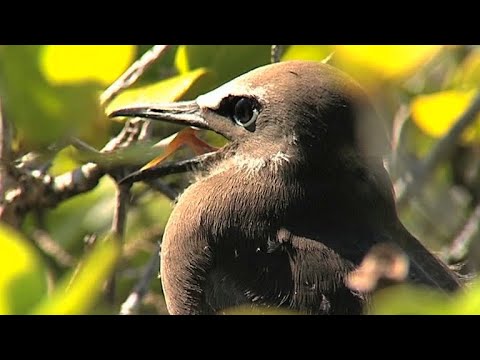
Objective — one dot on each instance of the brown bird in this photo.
(283, 213)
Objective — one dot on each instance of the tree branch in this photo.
(130, 306)
(460, 246)
(276, 53)
(53, 249)
(118, 230)
(410, 185)
(133, 73)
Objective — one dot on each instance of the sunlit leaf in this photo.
(79, 292)
(81, 215)
(164, 91)
(436, 113)
(226, 61)
(410, 300)
(259, 310)
(23, 279)
(64, 161)
(468, 303)
(307, 52)
(387, 61)
(467, 75)
(71, 64)
(43, 113)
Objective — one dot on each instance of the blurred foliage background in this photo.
(51, 264)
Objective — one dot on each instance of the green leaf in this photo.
(467, 75)
(80, 215)
(387, 61)
(23, 280)
(64, 161)
(410, 300)
(168, 90)
(73, 64)
(226, 61)
(468, 303)
(435, 114)
(78, 293)
(41, 112)
(258, 310)
(307, 52)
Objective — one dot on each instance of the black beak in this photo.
(181, 113)
(186, 113)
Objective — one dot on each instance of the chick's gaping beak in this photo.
(186, 113)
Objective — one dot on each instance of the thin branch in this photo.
(164, 188)
(399, 121)
(118, 230)
(120, 214)
(5, 150)
(5, 138)
(276, 53)
(35, 189)
(53, 249)
(7, 179)
(133, 73)
(82, 146)
(413, 182)
(460, 246)
(131, 305)
(198, 162)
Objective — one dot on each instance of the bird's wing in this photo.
(425, 267)
(318, 272)
(320, 263)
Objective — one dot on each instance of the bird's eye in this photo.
(245, 112)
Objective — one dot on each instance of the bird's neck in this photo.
(280, 180)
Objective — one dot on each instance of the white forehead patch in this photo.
(213, 99)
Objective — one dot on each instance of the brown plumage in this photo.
(292, 204)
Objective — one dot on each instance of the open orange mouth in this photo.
(186, 137)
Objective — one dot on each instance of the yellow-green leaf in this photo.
(436, 113)
(64, 161)
(410, 300)
(468, 303)
(307, 52)
(79, 292)
(71, 64)
(23, 280)
(168, 90)
(387, 61)
(43, 113)
(468, 74)
(258, 310)
(225, 61)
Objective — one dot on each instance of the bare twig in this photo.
(7, 213)
(5, 138)
(118, 230)
(133, 73)
(130, 306)
(35, 189)
(38, 190)
(198, 162)
(384, 264)
(80, 145)
(120, 215)
(460, 246)
(53, 249)
(412, 183)
(276, 53)
(164, 188)
(399, 122)
(5, 150)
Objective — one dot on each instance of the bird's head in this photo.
(303, 106)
